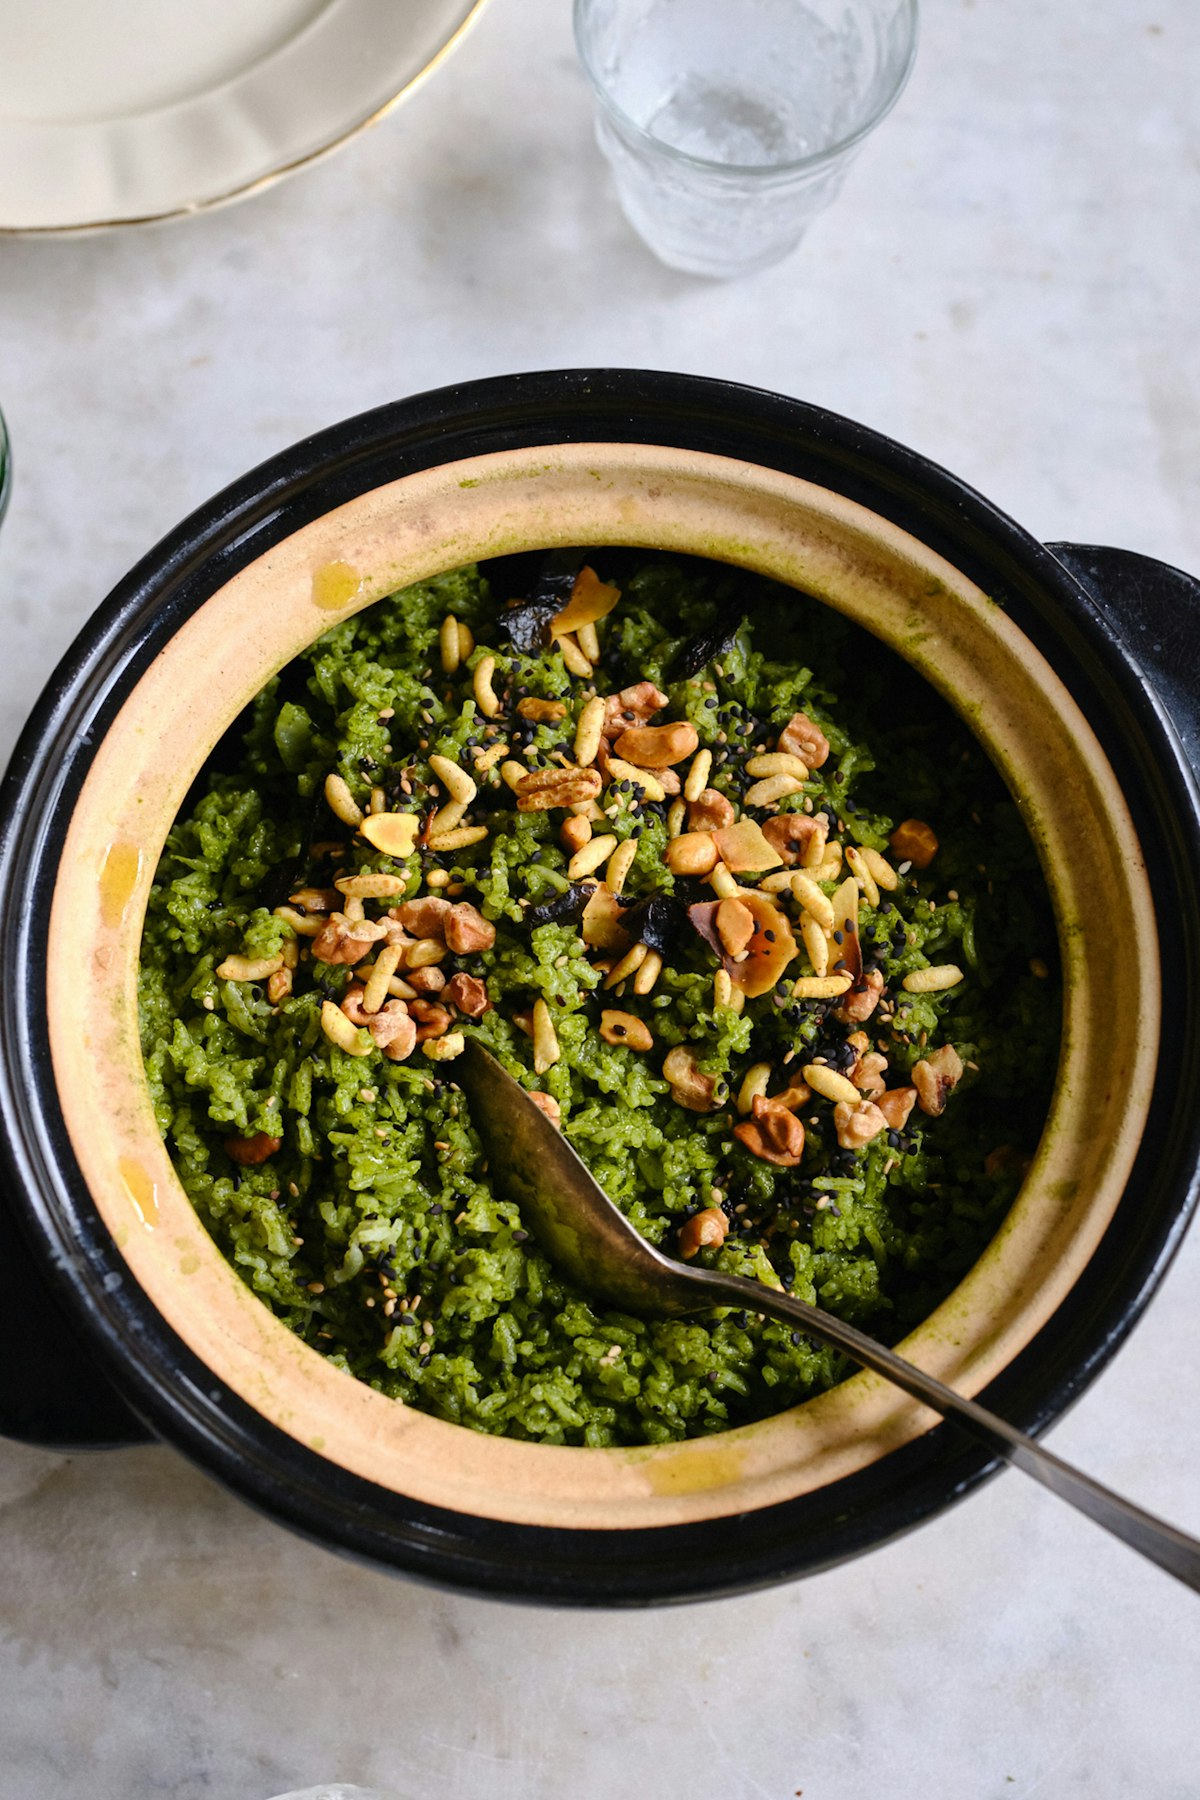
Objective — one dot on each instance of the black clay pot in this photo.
(85, 1359)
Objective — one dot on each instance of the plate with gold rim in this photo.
(138, 110)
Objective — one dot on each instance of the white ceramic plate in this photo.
(114, 112)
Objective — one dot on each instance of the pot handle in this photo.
(51, 1391)
(1155, 608)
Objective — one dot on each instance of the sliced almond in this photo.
(744, 849)
(393, 833)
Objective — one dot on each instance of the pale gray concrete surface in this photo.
(1009, 285)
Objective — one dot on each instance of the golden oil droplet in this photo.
(334, 585)
(141, 1190)
(119, 874)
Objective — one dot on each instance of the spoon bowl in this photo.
(588, 1238)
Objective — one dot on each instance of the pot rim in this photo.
(152, 583)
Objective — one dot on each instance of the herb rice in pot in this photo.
(713, 874)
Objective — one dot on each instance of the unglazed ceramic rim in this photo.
(775, 524)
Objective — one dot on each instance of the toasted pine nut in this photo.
(300, 925)
(279, 986)
(862, 874)
(248, 968)
(376, 990)
(778, 762)
(819, 987)
(485, 694)
(648, 974)
(588, 860)
(697, 775)
(620, 863)
(724, 992)
(448, 817)
(513, 773)
(576, 662)
(588, 731)
(779, 882)
(812, 900)
(370, 886)
(437, 878)
(924, 981)
(723, 884)
(290, 952)
(885, 876)
(457, 782)
(589, 641)
(341, 801)
(775, 787)
(466, 641)
(845, 905)
(818, 852)
(692, 853)
(546, 1051)
(676, 814)
(448, 644)
(828, 1083)
(830, 869)
(378, 800)
(352, 907)
(817, 945)
(340, 1031)
(754, 1082)
(392, 832)
(458, 839)
(623, 771)
(629, 963)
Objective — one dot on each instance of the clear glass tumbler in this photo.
(730, 124)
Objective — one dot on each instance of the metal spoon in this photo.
(590, 1240)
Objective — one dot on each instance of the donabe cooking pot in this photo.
(1079, 669)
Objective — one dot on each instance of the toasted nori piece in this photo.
(283, 878)
(656, 922)
(527, 621)
(730, 612)
(564, 909)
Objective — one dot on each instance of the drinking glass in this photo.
(730, 124)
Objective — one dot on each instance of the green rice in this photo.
(373, 1231)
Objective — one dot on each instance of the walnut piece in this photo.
(862, 1000)
(712, 811)
(857, 1125)
(772, 1133)
(792, 833)
(934, 1077)
(466, 929)
(690, 1086)
(346, 941)
(800, 737)
(248, 1152)
(468, 994)
(393, 1031)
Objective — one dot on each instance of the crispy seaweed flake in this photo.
(565, 909)
(527, 621)
(657, 922)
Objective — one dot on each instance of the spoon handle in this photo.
(1163, 1544)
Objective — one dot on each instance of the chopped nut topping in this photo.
(935, 1076)
(394, 1032)
(856, 1125)
(690, 1086)
(549, 1105)
(914, 842)
(705, 1230)
(250, 1151)
(773, 1133)
(432, 1020)
(744, 848)
(540, 790)
(424, 917)
(895, 1105)
(248, 968)
(625, 1028)
(793, 833)
(861, 1002)
(394, 833)
(735, 927)
(710, 811)
(468, 994)
(658, 746)
(428, 979)
(868, 1072)
(800, 737)
(542, 712)
(467, 930)
(346, 941)
(632, 706)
